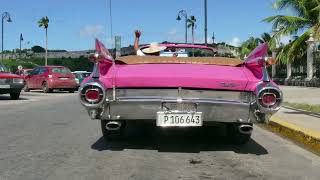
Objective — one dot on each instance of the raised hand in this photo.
(137, 33)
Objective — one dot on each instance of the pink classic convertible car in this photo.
(189, 89)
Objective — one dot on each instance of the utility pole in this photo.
(185, 15)
(205, 23)
(213, 37)
(21, 39)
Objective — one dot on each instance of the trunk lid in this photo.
(177, 75)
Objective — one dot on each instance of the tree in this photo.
(248, 46)
(265, 37)
(192, 24)
(44, 22)
(38, 49)
(305, 20)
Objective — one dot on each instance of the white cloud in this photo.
(200, 40)
(173, 32)
(92, 31)
(175, 35)
(235, 42)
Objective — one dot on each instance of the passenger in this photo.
(153, 50)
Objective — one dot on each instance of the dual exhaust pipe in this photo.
(116, 125)
(113, 125)
(245, 129)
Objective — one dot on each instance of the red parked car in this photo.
(49, 78)
(10, 83)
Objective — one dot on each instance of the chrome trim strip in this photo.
(180, 93)
(95, 71)
(177, 100)
(265, 75)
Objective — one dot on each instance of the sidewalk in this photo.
(296, 94)
(301, 126)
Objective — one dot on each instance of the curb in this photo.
(306, 137)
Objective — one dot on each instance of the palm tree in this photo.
(305, 20)
(249, 45)
(44, 22)
(192, 24)
(265, 37)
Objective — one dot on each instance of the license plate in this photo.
(63, 78)
(5, 86)
(179, 119)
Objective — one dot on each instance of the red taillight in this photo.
(269, 99)
(92, 95)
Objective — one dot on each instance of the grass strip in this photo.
(306, 107)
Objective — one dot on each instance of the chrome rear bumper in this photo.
(216, 106)
(146, 109)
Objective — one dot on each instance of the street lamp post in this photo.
(184, 14)
(205, 23)
(4, 16)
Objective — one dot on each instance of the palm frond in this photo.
(316, 8)
(317, 31)
(287, 21)
(265, 37)
(295, 49)
(191, 22)
(44, 22)
(298, 6)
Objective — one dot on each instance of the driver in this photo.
(153, 50)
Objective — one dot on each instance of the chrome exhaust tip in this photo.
(245, 129)
(113, 125)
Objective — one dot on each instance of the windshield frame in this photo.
(3, 68)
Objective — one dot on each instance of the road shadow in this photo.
(7, 98)
(53, 92)
(178, 140)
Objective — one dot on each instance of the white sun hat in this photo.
(153, 48)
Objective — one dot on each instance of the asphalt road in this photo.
(51, 137)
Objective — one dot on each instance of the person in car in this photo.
(153, 50)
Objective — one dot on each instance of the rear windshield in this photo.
(60, 70)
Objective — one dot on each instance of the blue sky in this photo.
(75, 23)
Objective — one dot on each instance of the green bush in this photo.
(77, 64)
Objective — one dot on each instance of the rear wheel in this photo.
(45, 88)
(15, 96)
(111, 135)
(237, 137)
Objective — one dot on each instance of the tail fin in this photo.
(103, 51)
(257, 63)
(259, 51)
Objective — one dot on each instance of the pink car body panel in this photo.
(243, 78)
(176, 75)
